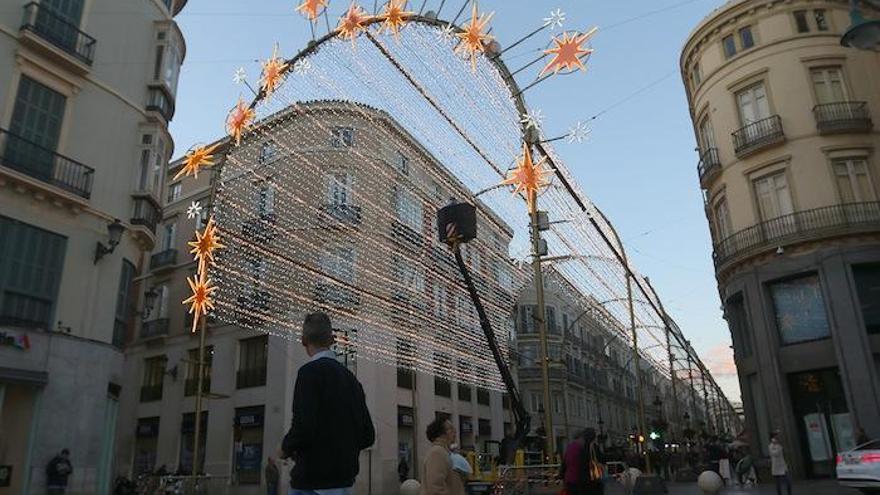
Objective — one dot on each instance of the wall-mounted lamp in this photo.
(149, 301)
(863, 34)
(115, 230)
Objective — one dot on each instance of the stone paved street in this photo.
(823, 487)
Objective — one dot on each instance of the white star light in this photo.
(195, 208)
(302, 66)
(533, 119)
(240, 76)
(555, 19)
(579, 133)
(447, 33)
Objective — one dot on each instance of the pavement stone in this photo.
(813, 487)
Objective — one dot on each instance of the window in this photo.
(483, 397)
(528, 355)
(204, 213)
(821, 20)
(339, 263)
(160, 307)
(464, 391)
(740, 330)
(537, 401)
(867, 278)
(828, 83)
(552, 327)
(154, 373)
(557, 403)
(192, 371)
(402, 163)
(729, 46)
(187, 441)
(852, 179)
(36, 119)
(174, 192)
(800, 309)
(696, 77)
(342, 137)
(31, 262)
(265, 200)
(268, 152)
(405, 361)
(248, 444)
(707, 135)
(146, 445)
(168, 235)
(753, 105)
(440, 300)
(339, 189)
(252, 362)
(124, 304)
(746, 38)
(723, 227)
(442, 386)
(408, 208)
(800, 20)
(773, 196)
(527, 318)
(166, 65)
(410, 277)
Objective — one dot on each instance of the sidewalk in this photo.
(820, 487)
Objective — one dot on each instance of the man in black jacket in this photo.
(331, 423)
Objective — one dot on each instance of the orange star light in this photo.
(568, 52)
(240, 118)
(273, 70)
(200, 301)
(395, 16)
(311, 8)
(205, 244)
(473, 39)
(352, 22)
(195, 159)
(528, 177)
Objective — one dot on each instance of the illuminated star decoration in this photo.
(394, 16)
(200, 301)
(205, 244)
(578, 133)
(533, 119)
(528, 177)
(273, 69)
(447, 33)
(240, 76)
(240, 118)
(352, 22)
(302, 66)
(195, 159)
(311, 8)
(568, 52)
(555, 19)
(195, 208)
(474, 39)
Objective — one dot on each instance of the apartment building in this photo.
(348, 200)
(86, 93)
(784, 121)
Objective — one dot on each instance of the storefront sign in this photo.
(17, 341)
(147, 428)
(843, 431)
(251, 457)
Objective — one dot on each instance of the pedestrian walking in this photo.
(574, 470)
(439, 477)
(331, 422)
(57, 472)
(778, 466)
(272, 476)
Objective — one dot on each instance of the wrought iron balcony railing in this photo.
(146, 213)
(47, 24)
(154, 328)
(343, 213)
(163, 259)
(709, 165)
(797, 227)
(844, 116)
(758, 135)
(41, 163)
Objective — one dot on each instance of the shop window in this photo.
(867, 278)
(739, 326)
(800, 310)
(146, 446)
(187, 441)
(248, 444)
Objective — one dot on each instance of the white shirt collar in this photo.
(326, 353)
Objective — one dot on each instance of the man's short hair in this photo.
(65, 451)
(317, 330)
(436, 429)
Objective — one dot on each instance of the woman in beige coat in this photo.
(437, 474)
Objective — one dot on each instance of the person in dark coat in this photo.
(57, 472)
(574, 468)
(331, 423)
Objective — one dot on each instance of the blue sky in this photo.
(639, 164)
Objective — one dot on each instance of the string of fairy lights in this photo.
(327, 197)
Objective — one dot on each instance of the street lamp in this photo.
(115, 231)
(863, 34)
(149, 301)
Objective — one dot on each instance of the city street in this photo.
(821, 487)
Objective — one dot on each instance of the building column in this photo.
(38, 400)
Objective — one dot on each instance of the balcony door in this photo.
(753, 105)
(707, 135)
(59, 20)
(775, 206)
(828, 84)
(35, 128)
(70, 10)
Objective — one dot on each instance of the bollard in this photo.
(709, 482)
(410, 487)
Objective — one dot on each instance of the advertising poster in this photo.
(817, 437)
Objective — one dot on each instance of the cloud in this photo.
(719, 360)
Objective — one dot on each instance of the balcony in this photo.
(33, 160)
(844, 116)
(155, 328)
(830, 221)
(260, 229)
(336, 296)
(343, 214)
(406, 236)
(150, 393)
(41, 23)
(758, 135)
(163, 259)
(160, 102)
(146, 213)
(709, 166)
(192, 384)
